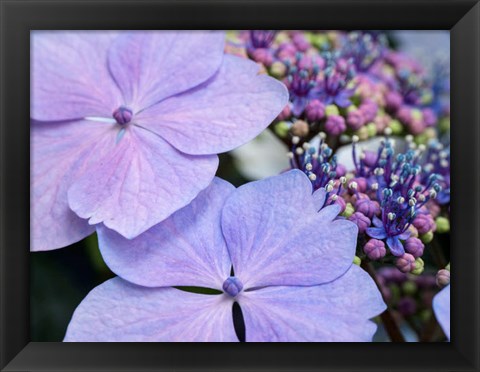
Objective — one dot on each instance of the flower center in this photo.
(123, 115)
(232, 286)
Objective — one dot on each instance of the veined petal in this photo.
(58, 151)
(186, 249)
(140, 181)
(225, 112)
(118, 311)
(338, 311)
(69, 75)
(441, 308)
(150, 66)
(276, 237)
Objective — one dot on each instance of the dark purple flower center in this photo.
(123, 115)
(232, 286)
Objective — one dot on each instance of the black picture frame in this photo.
(18, 17)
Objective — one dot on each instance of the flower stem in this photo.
(388, 320)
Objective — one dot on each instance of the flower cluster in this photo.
(347, 84)
(391, 196)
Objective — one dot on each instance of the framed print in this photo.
(291, 187)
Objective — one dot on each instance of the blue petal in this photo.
(376, 232)
(395, 246)
(377, 222)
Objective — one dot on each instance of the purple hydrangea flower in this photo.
(441, 308)
(126, 126)
(264, 245)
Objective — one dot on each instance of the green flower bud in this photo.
(427, 237)
(417, 114)
(357, 261)
(421, 139)
(352, 108)
(371, 129)
(444, 125)
(362, 133)
(396, 127)
(443, 225)
(447, 267)
(348, 210)
(282, 128)
(409, 287)
(318, 40)
(331, 110)
(278, 69)
(419, 266)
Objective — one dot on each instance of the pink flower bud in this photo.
(414, 246)
(405, 263)
(443, 278)
(423, 223)
(335, 125)
(362, 221)
(315, 110)
(375, 249)
(355, 119)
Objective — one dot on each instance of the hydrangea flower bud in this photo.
(443, 278)
(348, 211)
(418, 266)
(424, 223)
(278, 69)
(331, 110)
(427, 238)
(393, 100)
(413, 231)
(443, 225)
(429, 117)
(355, 119)
(369, 110)
(300, 128)
(407, 306)
(315, 110)
(335, 125)
(414, 246)
(409, 287)
(357, 261)
(368, 207)
(286, 113)
(262, 55)
(362, 221)
(375, 249)
(405, 263)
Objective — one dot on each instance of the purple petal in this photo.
(138, 182)
(330, 212)
(118, 311)
(58, 150)
(441, 308)
(150, 66)
(299, 104)
(319, 197)
(69, 75)
(343, 99)
(187, 248)
(276, 237)
(405, 235)
(395, 246)
(229, 110)
(338, 311)
(377, 222)
(376, 232)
